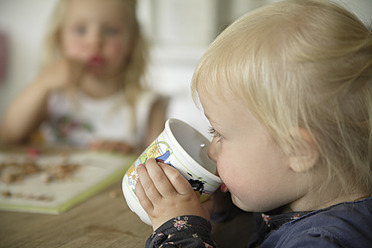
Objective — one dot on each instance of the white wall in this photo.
(361, 8)
(180, 29)
(23, 25)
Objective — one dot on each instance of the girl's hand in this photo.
(62, 74)
(164, 193)
(29, 108)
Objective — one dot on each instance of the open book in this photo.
(54, 181)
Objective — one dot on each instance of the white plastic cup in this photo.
(184, 148)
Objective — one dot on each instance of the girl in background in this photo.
(288, 92)
(90, 91)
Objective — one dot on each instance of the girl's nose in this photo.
(212, 150)
(95, 41)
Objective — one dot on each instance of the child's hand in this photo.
(164, 193)
(62, 74)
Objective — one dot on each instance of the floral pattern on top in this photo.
(181, 223)
(182, 232)
(66, 125)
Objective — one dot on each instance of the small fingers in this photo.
(143, 199)
(179, 182)
(147, 184)
(160, 179)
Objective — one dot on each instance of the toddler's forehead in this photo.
(217, 93)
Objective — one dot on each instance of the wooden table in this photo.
(104, 220)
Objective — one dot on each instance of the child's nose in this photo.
(212, 151)
(95, 41)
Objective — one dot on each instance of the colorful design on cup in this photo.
(198, 187)
(132, 176)
(162, 152)
(182, 147)
(159, 150)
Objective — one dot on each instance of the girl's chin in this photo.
(242, 205)
(98, 74)
(237, 202)
(95, 69)
(103, 73)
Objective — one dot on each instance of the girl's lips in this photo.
(96, 61)
(224, 189)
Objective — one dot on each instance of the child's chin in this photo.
(98, 73)
(243, 206)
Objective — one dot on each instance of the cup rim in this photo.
(174, 140)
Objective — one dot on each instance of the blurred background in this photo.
(178, 30)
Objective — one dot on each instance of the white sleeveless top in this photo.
(86, 119)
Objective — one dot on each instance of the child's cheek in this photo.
(118, 51)
(222, 170)
(76, 55)
(74, 49)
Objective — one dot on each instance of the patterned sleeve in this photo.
(183, 231)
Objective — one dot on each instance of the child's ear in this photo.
(307, 154)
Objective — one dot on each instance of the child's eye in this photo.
(80, 29)
(214, 133)
(110, 30)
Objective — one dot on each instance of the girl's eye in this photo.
(80, 30)
(215, 134)
(109, 30)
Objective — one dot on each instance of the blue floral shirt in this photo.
(347, 224)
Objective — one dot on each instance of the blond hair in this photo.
(307, 64)
(132, 75)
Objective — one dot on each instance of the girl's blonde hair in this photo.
(132, 74)
(301, 64)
